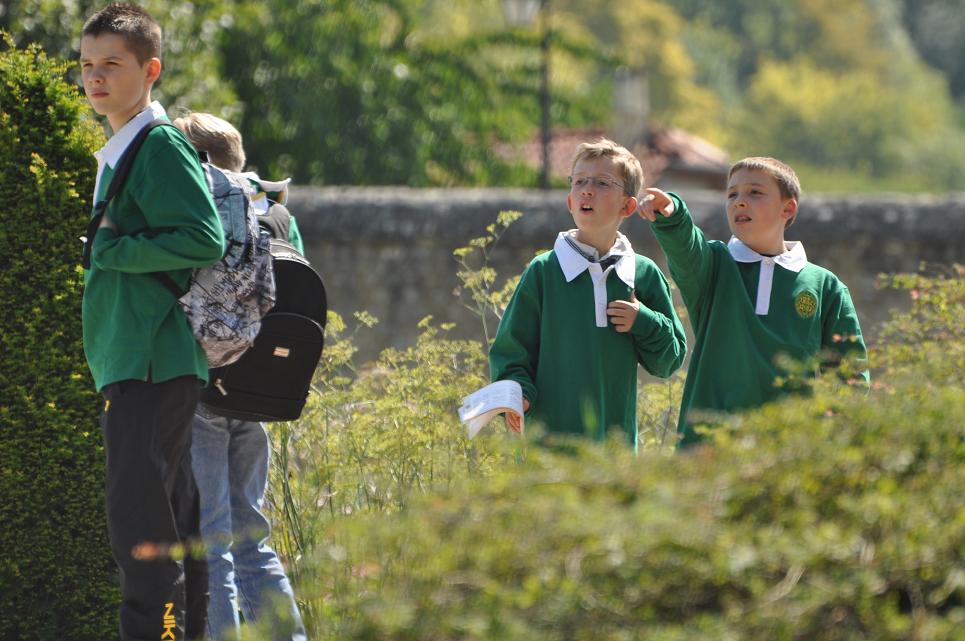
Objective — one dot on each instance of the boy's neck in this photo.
(117, 121)
(601, 245)
(769, 249)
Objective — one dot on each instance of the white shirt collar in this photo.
(573, 263)
(263, 187)
(111, 153)
(793, 259)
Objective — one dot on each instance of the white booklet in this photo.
(486, 403)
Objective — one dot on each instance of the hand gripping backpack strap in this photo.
(121, 171)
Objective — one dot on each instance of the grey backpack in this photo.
(225, 302)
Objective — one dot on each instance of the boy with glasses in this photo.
(586, 313)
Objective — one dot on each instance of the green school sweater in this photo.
(734, 364)
(580, 378)
(166, 220)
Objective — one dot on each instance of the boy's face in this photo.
(756, 211)
(117, 85)
(597, 201)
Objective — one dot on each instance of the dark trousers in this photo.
(153, 509)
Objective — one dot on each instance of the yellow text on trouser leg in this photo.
(169, 623)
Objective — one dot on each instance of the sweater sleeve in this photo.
(840, 331)
(183, 230)
(295, 236)
(515, 351)
(658, 336)
(689, 256)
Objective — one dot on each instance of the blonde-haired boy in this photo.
(753, 299)
(222, 144)
(230, 461)
(215, 136)
(586, 313)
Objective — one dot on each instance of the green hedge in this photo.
(57, 579)
(839, 516)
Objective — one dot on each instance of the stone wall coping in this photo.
(458, 214)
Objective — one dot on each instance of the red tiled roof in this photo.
(664, 151)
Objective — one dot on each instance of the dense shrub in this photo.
(836, 516)
(57, 579)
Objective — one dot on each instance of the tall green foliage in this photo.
(57, 579)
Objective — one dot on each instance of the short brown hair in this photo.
(787, 181)
(216, 137)
(140, 31)
(626, 162)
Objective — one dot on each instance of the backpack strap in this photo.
(277, 221)
(121, 171)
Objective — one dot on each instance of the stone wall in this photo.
(388, 250)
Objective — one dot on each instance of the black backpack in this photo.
(271, 381)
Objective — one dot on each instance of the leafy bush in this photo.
(53, 532)
(837, 516)
(368, 443)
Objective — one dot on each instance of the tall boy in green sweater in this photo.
(750, 300)
(143, 355)
(585, 313)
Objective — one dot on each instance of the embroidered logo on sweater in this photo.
(805, 304)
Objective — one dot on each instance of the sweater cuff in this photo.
(645, 322)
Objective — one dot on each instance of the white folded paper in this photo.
(486, 403)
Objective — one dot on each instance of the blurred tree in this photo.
(431, 92)
(834, 85)
(349, 92)
(852, 120)
(647, 35)
(937, 29)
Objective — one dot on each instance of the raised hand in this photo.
(654, 201)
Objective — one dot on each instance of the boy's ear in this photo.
(629, 207)
(790, 209)
(153, 69)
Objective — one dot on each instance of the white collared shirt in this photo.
(110, 154)
(573, 263)
(259, 201)
(793, 259)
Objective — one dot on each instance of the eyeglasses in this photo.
(598, 182)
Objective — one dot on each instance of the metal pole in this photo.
(547, 135)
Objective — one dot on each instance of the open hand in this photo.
(622, 313)
(655, 201)
(514, 421)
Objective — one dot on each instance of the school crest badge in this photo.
(806, 304)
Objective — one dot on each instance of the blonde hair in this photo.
(216, 137)
(629, 167)
(787, 181)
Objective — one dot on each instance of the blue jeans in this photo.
(230, 462)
